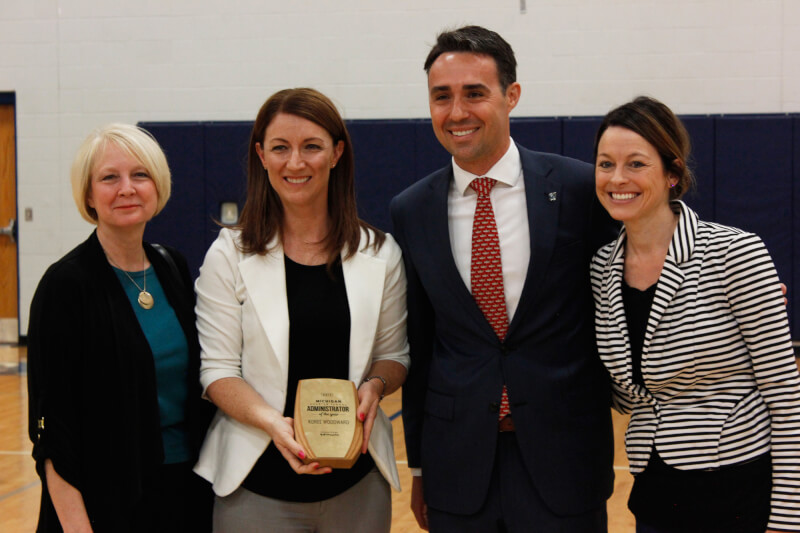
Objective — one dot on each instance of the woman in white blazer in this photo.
(692, 328)
(300, 288)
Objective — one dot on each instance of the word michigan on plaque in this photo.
(325, 422)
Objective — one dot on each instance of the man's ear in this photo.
(513, 93)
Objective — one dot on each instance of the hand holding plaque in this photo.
(325, 422)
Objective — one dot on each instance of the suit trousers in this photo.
(366, 507)
(513, 504)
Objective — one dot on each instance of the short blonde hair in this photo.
(134, 140)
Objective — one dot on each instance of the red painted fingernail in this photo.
(362, 416)
(301, 454)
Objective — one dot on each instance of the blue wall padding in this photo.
(753, 185)
(578, 137)
(226, 170)
(746, 169)
(429, 155)
(794, 290)
(181, 222)
(384, 165)
(701, 133)
(542, 133)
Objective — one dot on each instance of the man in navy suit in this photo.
(547, 466)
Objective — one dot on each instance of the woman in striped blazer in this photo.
(692, 328)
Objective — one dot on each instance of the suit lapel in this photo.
(264, 276)
(542, 198)
(440, 249)
(619, 362)
(680, 250)
(669, 282)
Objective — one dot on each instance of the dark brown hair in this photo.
(262, 215)
(477, 40)
(660, 127)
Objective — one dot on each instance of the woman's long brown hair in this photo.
(262, 216)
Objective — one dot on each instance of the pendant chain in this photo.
(145, 298)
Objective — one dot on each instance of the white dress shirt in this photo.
(511, 215)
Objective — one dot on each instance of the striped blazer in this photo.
(721, 381)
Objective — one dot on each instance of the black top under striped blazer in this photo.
(721, 382)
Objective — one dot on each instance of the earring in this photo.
(671, 185)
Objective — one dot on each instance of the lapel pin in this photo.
(552, 196)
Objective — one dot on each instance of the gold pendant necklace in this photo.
(145, 298)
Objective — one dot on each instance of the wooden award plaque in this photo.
(325, 422)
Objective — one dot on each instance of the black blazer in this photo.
(91, 378)
(559, 391)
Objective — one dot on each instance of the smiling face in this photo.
(121, 190)
(630, 179)
(298, 156)
(469, 110)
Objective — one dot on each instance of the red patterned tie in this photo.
(486, 271)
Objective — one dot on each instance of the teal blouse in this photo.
(171, 356)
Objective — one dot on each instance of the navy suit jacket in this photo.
(558, 390)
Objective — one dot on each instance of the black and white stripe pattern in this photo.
(722, 384)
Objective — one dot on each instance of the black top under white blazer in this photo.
(721, 382)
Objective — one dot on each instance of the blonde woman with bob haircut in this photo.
(139, 144)
(115, 413)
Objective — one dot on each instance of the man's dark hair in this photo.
(477, 40)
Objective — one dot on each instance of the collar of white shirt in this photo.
(506, 171)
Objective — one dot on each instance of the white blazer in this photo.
(243, 325)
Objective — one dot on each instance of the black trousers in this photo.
(732, 499)
(513, 504)
(178, 501)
